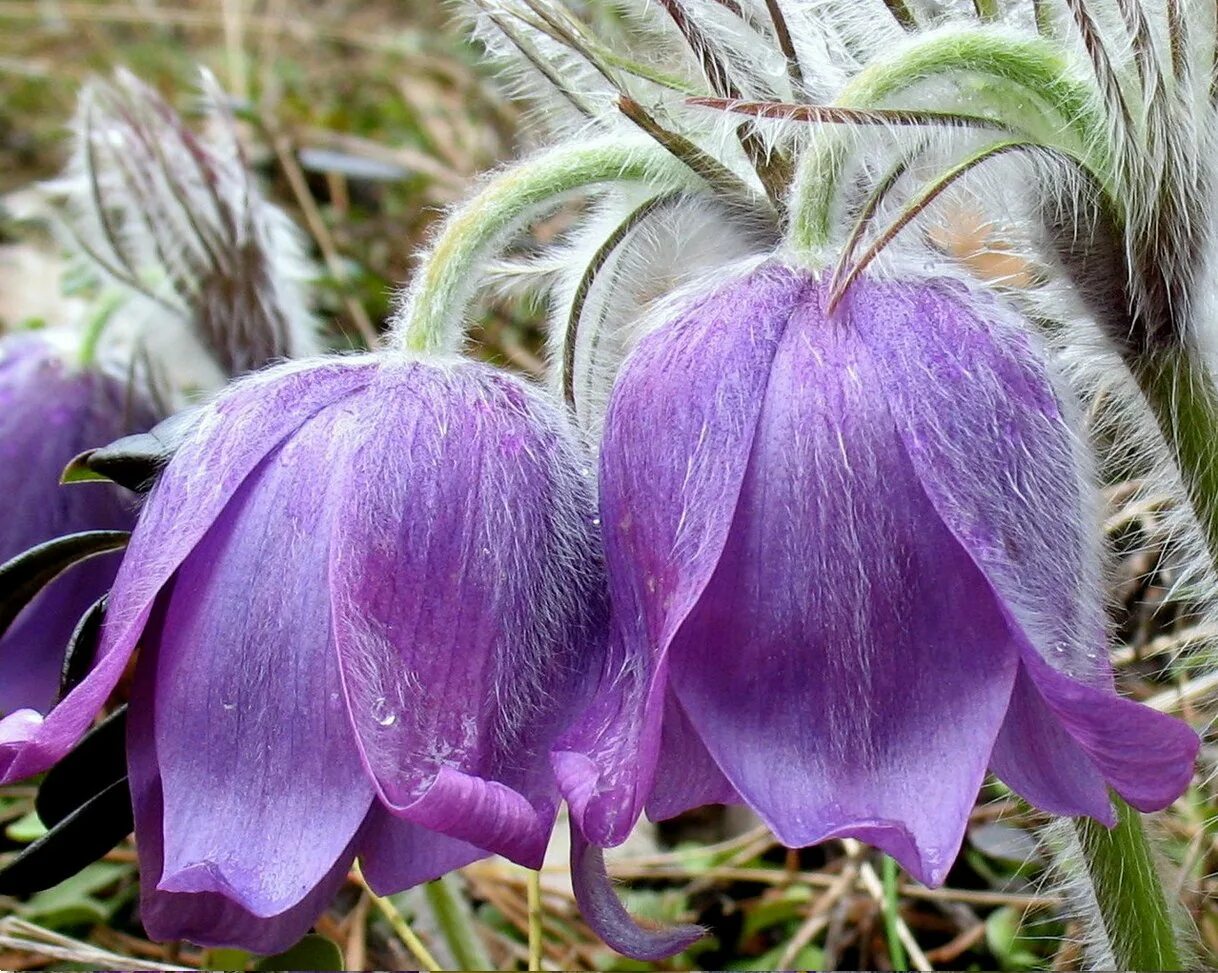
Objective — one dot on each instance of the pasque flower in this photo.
(366, 595)
(852, 568)
(51, 408)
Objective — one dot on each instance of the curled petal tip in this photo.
(606, 822)
(200, 877)
(19, 726)
(604, 912)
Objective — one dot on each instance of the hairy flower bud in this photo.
(178, 222)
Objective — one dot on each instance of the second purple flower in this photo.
(852, 569)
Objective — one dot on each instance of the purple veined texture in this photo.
(825, 540)
(368, 595)
(51, 410)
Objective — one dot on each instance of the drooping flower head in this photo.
(367, 597)
(52, 408)
(852, 565)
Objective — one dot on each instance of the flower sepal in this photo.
(85, 803)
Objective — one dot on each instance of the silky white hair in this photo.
(214, 278)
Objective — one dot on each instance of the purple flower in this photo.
(853, 568)
(51, 410)
(367, 595)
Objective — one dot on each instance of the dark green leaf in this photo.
(1006, 940)
(311, 953)
(133, 461)
(77, 471)
(82, 647)
(96, 763)
(77, 841)
(29, 572)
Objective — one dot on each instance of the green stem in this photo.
(399, 925)
(107, 304)
(535, 931)
(434, 317)
(456, 924)
(1181, 394)
(896, 949)
(987, 10)
(1133, 908)
(1028, 86)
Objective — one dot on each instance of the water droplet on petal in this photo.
(382, 713)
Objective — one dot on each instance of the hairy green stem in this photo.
(1136, 913)
(456, 924)
(1027, 86)
(1132, 905)
(434, 316)
(1182, 396)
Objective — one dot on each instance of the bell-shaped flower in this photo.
(52, 408)
(853, 566)
(367, 595)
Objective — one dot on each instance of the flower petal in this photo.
(601, 909)
(464, 569)
(847, 658)
(212, 920)
(1018, 502)
(396, 855)
(229, 440)
(262, 784)
(1146, 757)
(49, 412)
(1040, 761)
(32, 650)
(677, 440)
(686, 774)
(207, 918)
(990, 440)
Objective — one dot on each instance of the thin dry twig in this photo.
(17, 933)
(1171, 700)
(871, 882)
(317, 227)
(819, 914)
